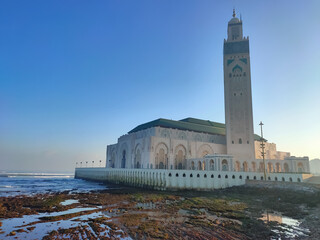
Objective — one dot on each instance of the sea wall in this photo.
(179, 179)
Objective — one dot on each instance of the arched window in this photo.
(211, 164)
(199, 165)
(300, 167)
(240, 141)
(192, 165)
(286, 167)
(245, 167)
(254, 168)
(225, 166)
(261, 167)
(270, 167)
(278, 167)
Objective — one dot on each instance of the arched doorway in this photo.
(179, 160)
(160, 159)
(123, 161)
(137, 159)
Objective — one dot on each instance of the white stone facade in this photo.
(162, 148)
(161, 179)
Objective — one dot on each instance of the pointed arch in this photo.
(123, 155)
(225, 165)
(245, 166)
(238, 167)
(180, 153)
(161, 156)
(137, 156)
(204, 150)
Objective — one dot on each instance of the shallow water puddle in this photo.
(288, 226)
(69, 202)
(30, 227)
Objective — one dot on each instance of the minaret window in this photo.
(235, 33)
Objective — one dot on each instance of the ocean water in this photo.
(13, 184)
(16, 184)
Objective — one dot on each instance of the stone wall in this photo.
(179, 179)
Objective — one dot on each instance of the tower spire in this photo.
(234, 13)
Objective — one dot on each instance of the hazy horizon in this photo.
(77, 75)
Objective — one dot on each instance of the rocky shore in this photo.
(128, 213)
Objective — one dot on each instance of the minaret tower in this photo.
(237, 94)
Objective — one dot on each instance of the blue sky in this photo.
(76, 75)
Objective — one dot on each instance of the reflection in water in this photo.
(289, 227)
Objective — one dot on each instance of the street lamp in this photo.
(92, 163)
(86, 163)
(262, 152)
(100, 163)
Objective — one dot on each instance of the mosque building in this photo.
(195, 144)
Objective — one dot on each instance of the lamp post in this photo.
(262, 152)
(76, 164)
(86, 163)
(100, 163)
(92, 163)
(80, 164)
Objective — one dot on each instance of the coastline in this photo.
(130, 213)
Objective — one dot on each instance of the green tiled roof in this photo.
(189, 124)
